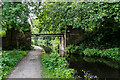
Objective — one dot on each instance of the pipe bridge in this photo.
(62, 43)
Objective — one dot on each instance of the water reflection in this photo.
(91, 68)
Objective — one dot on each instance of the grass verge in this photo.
(9, 61)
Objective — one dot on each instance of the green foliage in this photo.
(57, 65)
(2, 33)
(72, 49)
(55, 45)
(15, 15)
(49, 44)
(113, 53)
(76, 49)
(26, 47)
(9, 60)
(43, 42)
(102, 38)
(91, 52)
(55, 16)
(101, 42)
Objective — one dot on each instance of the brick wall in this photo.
(74, 36)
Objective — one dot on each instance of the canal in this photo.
(94, 68)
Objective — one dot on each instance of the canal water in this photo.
(94, 68)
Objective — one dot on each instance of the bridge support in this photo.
(62, 46)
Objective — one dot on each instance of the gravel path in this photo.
(29, 66)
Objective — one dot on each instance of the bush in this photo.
(76, 49)
(57, 65)
(91, 52)
(55, 45)
(113, 53)
(72, 49)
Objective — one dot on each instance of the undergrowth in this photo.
(9, 61)
(55, 66)
(103, 42)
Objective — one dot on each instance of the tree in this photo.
(15, 15)
(54, 16)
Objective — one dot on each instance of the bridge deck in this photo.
(49, 35)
